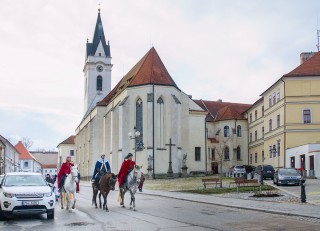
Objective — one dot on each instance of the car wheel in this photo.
(2, 216)
(50, 215)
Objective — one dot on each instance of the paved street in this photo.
(168, 211)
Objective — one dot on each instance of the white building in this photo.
(9, 157)
(28, 163)
(146, 100)
(66, 148)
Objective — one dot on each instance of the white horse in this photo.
(131, 185)
(69, 189)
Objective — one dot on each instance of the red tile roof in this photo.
(24, 153)
(69, 140)
(149, 70)
(310, 67)
(223, 110)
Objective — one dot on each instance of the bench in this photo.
(248, 183)
(210, 181)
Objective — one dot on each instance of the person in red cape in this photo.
(64, 172)
(127, 165)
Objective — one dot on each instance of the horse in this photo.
(131, 185)
(106, 183)
(69, 189)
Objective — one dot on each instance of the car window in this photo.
(26, 180)
(289, 171)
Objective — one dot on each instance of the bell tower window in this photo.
(99, 83)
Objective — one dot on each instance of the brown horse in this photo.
(106, 183)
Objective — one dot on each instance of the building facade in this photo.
(9, 157)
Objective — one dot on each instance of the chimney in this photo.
(305, 56)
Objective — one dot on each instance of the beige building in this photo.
(66, 148)
(287, 115)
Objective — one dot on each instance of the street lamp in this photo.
(136, 143)
(275, 152)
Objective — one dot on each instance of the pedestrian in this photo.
(141, 182)
(127, 166)
(49, 179)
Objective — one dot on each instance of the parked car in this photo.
(238, 169)
(268, 171)
(1, 177)
(26, 193)
(287, 176)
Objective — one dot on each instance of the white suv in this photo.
(26, 193)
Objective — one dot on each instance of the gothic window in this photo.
(99, 83)
(139, 123)
(226, 153)
(239, 131)
(238, 153)
(226, 131)
(160, 105)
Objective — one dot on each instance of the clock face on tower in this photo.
(99, 68)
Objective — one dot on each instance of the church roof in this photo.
(149, 70)
(97, 37)
(219, 110)
(24, 153)
(310, 67)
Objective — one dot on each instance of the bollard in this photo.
(303, 191)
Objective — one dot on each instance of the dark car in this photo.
(268, 171)
(287, 176)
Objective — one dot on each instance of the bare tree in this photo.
(220, 151)
(27, 142)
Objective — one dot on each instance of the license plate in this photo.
(30, 203)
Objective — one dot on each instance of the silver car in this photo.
(287, 176)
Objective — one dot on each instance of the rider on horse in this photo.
(64, 172)
(102, 166)
(127, 166)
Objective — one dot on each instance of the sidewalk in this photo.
(292, 209)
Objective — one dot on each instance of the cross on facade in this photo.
(170, 172)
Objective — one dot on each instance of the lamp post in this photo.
(274, 151)
(136, 135)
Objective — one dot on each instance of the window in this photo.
(238, 153)
(139, 125)
(250, 138)
(270, 152)
(262, 132)
(262, 110)
(262, 156)
(26, 164)
(226, 131)
(278, 147)
(270, 101)
(197, 153)
(278, 121)
(306, 116)
(270, 125)
(71, 152)
(255, 115)
(239, 131)
(160, 121)
(213, 154)
(250, 159)
(274, 98)
(273, 152)
(278, 96)
(256, 157)
(255, 135)
(226, 153)
(99, 83)
(250, 118)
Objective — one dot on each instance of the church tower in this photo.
(97, 68)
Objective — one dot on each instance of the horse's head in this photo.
(137, 172)
(74, 172)
(113, 181)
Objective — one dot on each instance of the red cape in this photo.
(126, 165)
(64, 170)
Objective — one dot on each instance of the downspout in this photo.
(205, 140)
(284, 123)
(153, 173)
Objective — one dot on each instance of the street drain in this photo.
(79, 224)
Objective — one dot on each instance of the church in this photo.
(145, 114)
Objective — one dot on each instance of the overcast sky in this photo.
(229, 49)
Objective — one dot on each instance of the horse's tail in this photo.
(119, 199)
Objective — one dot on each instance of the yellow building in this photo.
(287, 115)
